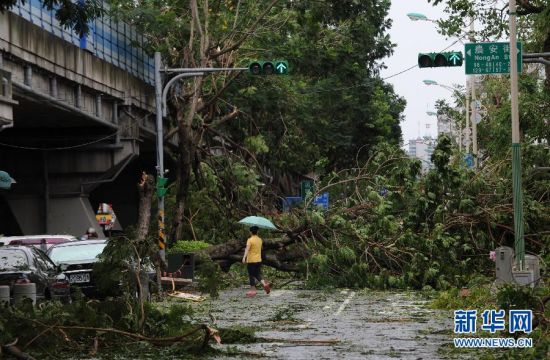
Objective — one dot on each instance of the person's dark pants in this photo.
(254, 272)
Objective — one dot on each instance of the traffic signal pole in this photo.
(161, 93)
(516, 146)
(160, 157)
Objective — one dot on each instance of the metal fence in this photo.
(113, 41)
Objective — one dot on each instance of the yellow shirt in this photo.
(255, 250)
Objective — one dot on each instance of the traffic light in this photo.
(279, 67)
(453, 58)
(161, 183)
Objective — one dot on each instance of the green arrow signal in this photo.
(281, 67)
(455, 57)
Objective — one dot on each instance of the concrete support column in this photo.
(98, 106)
(54, 90)
(115, 120)
(28, 76)
(78, 97)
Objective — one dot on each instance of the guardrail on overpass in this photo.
(113, 41)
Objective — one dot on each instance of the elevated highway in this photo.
(77, 122)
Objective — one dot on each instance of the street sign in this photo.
(489, 58)
(469, 160)
(466, 141)
(105, 216)
(475, 105)
(477, 118)
(467, 131)
(321, 200)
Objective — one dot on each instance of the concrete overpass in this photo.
(82, 125)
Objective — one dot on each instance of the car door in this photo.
(45, 273)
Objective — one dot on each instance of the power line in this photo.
(384, 78)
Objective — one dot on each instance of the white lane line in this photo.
(277, 293)
(344, 304)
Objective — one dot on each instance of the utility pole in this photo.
(467, 135)
(474, 102)
(516, 146)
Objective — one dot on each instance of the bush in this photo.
(187, 246)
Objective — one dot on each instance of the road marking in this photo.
(277, 293)
(344, 304)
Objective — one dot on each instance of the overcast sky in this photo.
(411, 38)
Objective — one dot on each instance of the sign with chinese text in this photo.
(489, 58)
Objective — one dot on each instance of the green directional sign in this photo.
(489, 58)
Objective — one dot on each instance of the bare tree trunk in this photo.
(187, 149)
(146, 189)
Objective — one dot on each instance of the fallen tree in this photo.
(280, 253)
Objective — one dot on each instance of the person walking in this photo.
(253, 259)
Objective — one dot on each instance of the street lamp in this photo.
(431, 113)
(433, 82)
(419, 17)
(453, 90)
(519, 242)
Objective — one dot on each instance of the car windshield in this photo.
(13, 259)
(80, 252)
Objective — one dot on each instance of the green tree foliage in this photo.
(238, 133)
(390, 227)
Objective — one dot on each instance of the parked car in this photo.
(22, 264)
(77, 260)
(43, 242)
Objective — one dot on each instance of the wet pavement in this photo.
(338, 324)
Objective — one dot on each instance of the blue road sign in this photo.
(321, 200)
(469, 160)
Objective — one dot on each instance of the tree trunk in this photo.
(276, 253)
(146, 189)
(187, 149)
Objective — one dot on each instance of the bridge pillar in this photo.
(67, 215)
